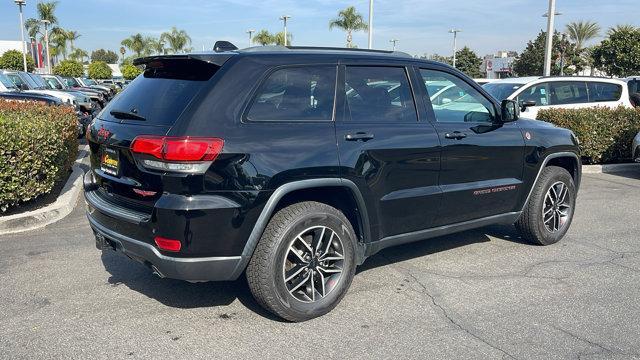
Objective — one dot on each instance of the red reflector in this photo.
(168, 244)
(178, 148)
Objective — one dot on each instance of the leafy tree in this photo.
(468, 62)
(582, 31)
(78, 55)
(178, 40)
(45, 11)
(278, 38)
(129, 71)
(620, 28)
(107, 56)
(69, 68)
(349, 20)
(99, 70)
(531, 61)
(136, 43)
(12, 60)
(263, 38)
(619, 53)
(58, 42)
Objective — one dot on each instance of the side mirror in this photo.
(510, 111)
(525, 104)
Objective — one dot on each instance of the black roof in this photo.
(219, 58)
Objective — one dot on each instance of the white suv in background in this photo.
(570, 92)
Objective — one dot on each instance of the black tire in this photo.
(531, 223)
(268, 265)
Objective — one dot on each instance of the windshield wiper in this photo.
(126, 115)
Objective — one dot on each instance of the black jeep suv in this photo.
(293, 165)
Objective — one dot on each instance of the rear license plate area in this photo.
(110, 162)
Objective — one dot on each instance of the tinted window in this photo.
(300, 93)
(7, 82)
(162, 92)
(599, 91)
(538, 93)
(17, 80)
(634, 86)
(501, 91)
(567, 92)
(71, 82)
(457, 101)
(378, 94)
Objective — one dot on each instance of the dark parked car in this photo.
(21, 96)
(293, 165)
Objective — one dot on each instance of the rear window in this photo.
(599, 91)
(162, 92)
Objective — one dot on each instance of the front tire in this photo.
(549, 211)
(304, 262)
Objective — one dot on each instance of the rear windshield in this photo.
(162, 92)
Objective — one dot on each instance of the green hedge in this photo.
(605, 134)
(38, 145)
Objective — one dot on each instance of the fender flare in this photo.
(287, 188)
(544, 164)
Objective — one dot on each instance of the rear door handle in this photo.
(455, 135)
(359, 136)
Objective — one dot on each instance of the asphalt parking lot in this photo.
(481, 294)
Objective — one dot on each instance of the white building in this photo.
(499, 66)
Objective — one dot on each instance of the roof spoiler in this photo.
(215, 59)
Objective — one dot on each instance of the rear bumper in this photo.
(190, 269)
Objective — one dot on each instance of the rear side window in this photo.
(538, 93)
(567, 92)
(599, 91)
(296, 94)
(378, 94)
(162, 92)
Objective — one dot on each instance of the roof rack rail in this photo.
(285, 48)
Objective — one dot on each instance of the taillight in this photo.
(179, 154)
(168, 244)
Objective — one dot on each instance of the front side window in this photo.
(296, 94)
(456, 100)
(567, 92)
(538, 93)
(17, 80)
(378, 94)
(600, 91)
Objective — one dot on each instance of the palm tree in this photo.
(349, 20)
(177, 40)
(620, 28)
(278, 38)
(46, 11)
(136, 43)
(78, 55)
(263, 38)
(582, 31)
(58, 42)
(157, 46)
(73, 36)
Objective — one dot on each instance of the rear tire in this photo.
(304, 262)
(549, 211)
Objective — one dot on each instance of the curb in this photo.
(610, 168)
(35, 219)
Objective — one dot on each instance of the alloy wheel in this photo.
(313, 264)
(557, 207)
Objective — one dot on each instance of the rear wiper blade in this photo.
(126, 115)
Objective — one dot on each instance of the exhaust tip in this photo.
(157, 272)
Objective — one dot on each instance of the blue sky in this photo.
(419, 25)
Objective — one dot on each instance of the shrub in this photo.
(69, 68)
(605, 134)
(12, 60)
(99, 70)
(38, 145)
(107, 56)
(129, 72)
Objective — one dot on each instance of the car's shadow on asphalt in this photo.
(185, 295)
(443, 243)
(177, 293)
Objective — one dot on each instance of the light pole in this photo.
(394, 41)
(46, 41)
(455, 45)
(20, 4)
(250, 32)
(370, 24)
(285, 18)
(550, 15)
